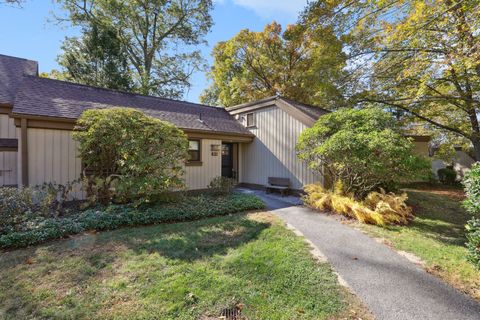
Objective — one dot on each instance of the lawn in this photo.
(436, 236)
(189, 270)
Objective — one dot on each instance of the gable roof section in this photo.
(12, 70)
(307, 114)
(42, 97)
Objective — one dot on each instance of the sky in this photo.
(29, 33)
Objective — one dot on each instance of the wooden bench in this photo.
(280, 184)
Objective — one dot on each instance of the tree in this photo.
(13, 2)
(300, 63)
(96, 59)
(378, 155)
(421, 58)
(128, 156)
(157, 36)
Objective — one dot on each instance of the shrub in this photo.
(129, 156)
(20, 206)
(447, 175)
(471, 182)
(222, 185)
(362, 148)
(473, 244)
(378, 208)
(115, 216)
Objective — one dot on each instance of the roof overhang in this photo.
(274, 101)
(40, 122)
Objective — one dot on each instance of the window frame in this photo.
(195, 162)
(254, 120)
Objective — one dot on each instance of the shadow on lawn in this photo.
(205, 238)
(439, 217)
(86, 259)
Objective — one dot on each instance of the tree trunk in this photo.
(476, 148)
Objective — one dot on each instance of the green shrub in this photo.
(20, 206)
(128, 156)
(473, 244)
(362, 148)
(471, 182)
(115, 216)
(222, 185)
(447, 176)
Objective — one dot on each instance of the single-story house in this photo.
(249, 142)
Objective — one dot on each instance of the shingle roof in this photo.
(60, 99)
(12, 70)
(312, 111)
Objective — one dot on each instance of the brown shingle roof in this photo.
(60, 99)
(312, 111)
(12, 70)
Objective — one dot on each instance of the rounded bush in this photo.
(447, 176)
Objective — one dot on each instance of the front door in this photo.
(227, 160)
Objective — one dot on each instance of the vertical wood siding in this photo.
(198, 177)
(8, 159)
(52, 157)
(272, 152)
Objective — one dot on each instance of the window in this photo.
(250, 119)
(193, 150)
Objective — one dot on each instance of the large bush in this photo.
(471, 182)
(362, 148)
(115, 216)
(129, 156)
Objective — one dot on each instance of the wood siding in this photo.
(8, 159)
(198, 177)
(52, 157)
(272, 153)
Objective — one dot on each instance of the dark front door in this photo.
(227, 160)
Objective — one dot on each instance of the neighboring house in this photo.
(462, 162)
(249, 142)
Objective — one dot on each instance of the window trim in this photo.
(254, 120)
(199, 161)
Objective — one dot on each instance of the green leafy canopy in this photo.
(361, 148)
(129, 156)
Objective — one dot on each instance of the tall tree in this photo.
(419, 57)
(97, 59)
(298, 63)
(157, 36)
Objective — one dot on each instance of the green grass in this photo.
(437, 236)
(187, 270)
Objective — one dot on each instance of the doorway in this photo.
(227, 160)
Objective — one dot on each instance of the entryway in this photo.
(230, 160)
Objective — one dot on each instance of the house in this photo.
(249, 142)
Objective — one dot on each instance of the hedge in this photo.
(116, 216)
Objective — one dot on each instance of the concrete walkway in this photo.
(391, 286)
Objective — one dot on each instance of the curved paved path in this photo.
(391, 286)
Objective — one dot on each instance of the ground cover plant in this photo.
(189, 270)
(436, 235)
(34, 229)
